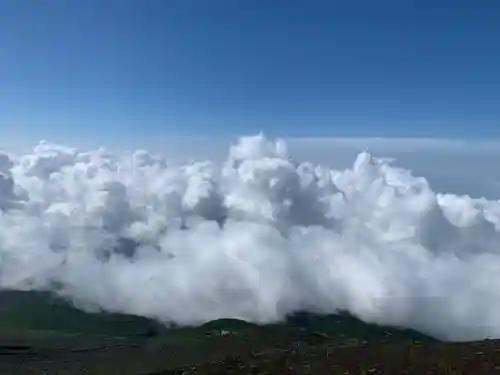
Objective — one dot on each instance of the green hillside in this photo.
(41, 334)
(41, 311)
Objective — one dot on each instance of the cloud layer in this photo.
(258, 237)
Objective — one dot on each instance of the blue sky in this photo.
(155, 68)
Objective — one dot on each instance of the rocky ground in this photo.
(292, 352)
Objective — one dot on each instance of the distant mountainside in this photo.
(42, 311)
(46, 312)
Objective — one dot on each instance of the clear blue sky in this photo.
(124, 68)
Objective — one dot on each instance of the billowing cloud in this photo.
(256, 237)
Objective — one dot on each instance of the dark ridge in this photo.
(346, 324)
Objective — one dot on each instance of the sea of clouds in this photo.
(256, 237)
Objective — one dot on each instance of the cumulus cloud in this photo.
(450, 166)
(256, 237)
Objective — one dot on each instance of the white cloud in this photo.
(259, 235)
(452, 166)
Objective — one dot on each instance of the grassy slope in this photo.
(31, 311)
(37, 333)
